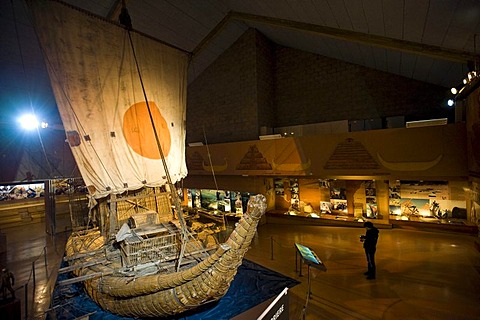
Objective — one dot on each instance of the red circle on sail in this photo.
(138, 130)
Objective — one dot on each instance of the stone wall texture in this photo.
(256, 85)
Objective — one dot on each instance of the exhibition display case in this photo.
(386, 202)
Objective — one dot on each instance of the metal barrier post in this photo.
(26, 300)
(45, 258)
(271, 248)
(33, 273)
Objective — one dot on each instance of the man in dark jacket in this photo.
(8, 280)
(370, 245)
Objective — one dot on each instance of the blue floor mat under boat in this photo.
(252, 285)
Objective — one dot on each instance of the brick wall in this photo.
(310, 88)
(265, 86)
(223, 99)
(256, 83)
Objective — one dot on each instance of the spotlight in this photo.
(28, 122)
(450, 102)
(471, 75)
(471, 83)
(461, 91)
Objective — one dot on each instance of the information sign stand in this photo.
(308, 257)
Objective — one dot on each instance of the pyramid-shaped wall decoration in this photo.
(195, 162)
(253, 160)
(351, 154)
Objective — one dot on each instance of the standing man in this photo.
(8, 280)
(370, 245)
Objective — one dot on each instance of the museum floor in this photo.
(420, 275)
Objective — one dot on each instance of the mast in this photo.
(125, 20)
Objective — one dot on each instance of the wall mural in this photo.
(195, 161)
(409, 165)
(424, 199)
(353, 153)
(279, 188)
(350, 154)
(253, 160)
(371, 199)
(338, 199)
(220, 201)
(295, 192)
(282, 156)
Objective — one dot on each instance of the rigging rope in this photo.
(29, 91)
(126, 21)
(213, 170)
(210, 159)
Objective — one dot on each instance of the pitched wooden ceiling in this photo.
(427, 40)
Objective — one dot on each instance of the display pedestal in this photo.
(10, 309)
(254, 312)
(274, 308)
(249, 295)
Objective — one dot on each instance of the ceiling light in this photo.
(471, 75)
(28, 121)
(270, 136)
(426, 123)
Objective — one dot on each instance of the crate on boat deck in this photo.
(142, 219)
(150, 244)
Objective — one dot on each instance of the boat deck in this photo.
(420, 275)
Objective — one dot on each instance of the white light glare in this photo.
(450, 102)
(29, 122)
(471, 75)
(454, 90)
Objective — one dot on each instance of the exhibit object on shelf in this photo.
(122, 99)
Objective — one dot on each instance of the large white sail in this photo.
(99, 94)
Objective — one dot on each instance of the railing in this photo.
(28, 304)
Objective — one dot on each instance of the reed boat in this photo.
(121, 96)
(152, 282)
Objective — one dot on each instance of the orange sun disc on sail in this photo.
(138, 130)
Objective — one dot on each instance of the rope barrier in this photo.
(272, 241)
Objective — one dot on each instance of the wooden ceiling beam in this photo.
(216, 30)
(432, 51)
(115, 9)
